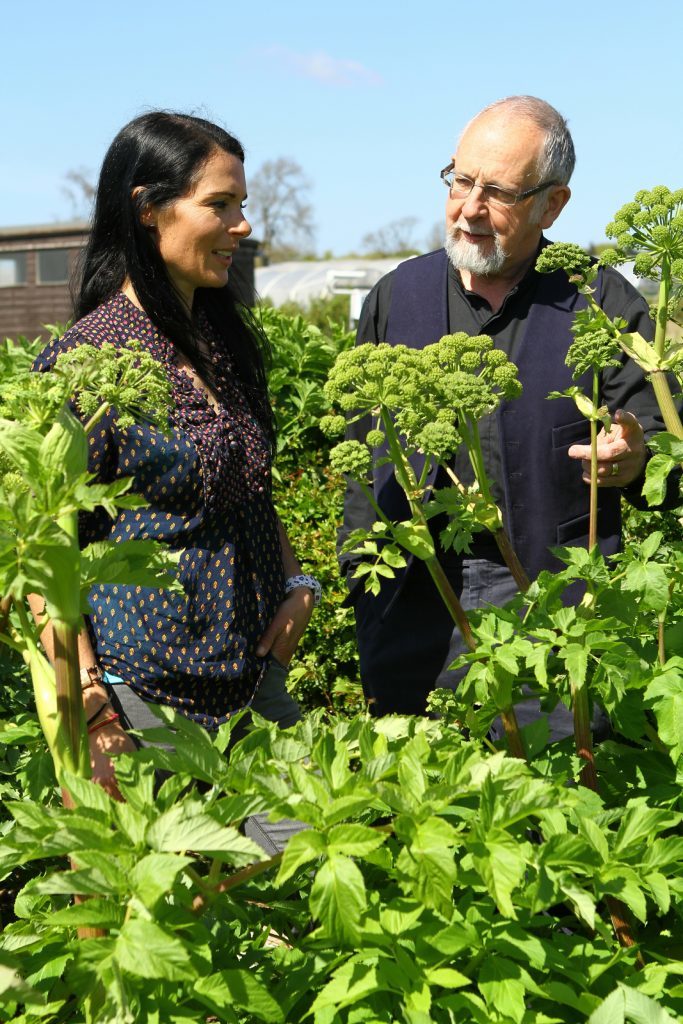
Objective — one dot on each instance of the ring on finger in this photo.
(615, 469)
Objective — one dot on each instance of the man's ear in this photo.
(146, 210)
(558, 198)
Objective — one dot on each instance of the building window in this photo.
(52, 266)
(12, 269)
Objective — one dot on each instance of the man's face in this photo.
(490, 240)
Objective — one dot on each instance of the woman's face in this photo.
(199, 233)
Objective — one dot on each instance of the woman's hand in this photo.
(284, 632)
(105, 741)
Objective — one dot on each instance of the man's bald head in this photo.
(557, 157)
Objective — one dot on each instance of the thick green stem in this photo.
(593, 519)
(583, 737)
(667, 406)
(450, 599)
(660, 384)
(5, 606)
(662, 315)
(69, 697)
(513, 734)
(406, 478)
(67, 672)
(511, 560)
(661, 645)
(500, 535)
(96, 417)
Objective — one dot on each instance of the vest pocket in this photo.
(577, 432)
(574, 531)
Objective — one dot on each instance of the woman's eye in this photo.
(243, 205)
(220, 204)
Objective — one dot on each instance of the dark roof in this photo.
(32, 231)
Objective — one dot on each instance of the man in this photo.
(508, 182)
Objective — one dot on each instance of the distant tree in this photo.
(435, 238)
(279, 208)
(79, 189)
(394, 239)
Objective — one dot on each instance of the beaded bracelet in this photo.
(293, 582)
(105, 721)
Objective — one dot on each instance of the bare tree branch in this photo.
(279, 207)
(79, 189)
(393, 239)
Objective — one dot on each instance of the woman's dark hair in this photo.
(161, 154)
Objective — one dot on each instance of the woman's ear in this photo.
(146, 214)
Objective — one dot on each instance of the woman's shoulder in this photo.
(115, 322)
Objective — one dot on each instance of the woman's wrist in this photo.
(304, 580)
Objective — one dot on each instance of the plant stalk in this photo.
(593, 518)
(667, 406)
(450, 599)
(69, 698)
(511, 560)
(513, 734)
(583, 738)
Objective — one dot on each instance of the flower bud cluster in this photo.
(648, 231)
(595, 344)
(569, 257)
(352, 458)
(424, 390)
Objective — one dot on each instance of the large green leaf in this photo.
(238, 988)
(628, 1006)
(500, 982)
(154, 876)
(180, 829)
(338, 899)
(303, 848)
(63, 451)
(146, 950)
(501, 863)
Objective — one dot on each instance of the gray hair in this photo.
(557, 158)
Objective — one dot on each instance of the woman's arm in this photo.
(289, 623)
(108, 739)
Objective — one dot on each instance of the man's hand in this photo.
(621, 452)
(284, 632)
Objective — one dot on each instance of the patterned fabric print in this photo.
(208, 485)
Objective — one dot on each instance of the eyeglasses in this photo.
(461, 185)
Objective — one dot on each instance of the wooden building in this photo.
(38, 264)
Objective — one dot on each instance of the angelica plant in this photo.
(425, 403)
(45, 484)
(649, 232)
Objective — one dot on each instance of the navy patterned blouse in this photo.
(208, 485)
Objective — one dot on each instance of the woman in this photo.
(169, 217)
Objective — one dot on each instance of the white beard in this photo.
(468, 256)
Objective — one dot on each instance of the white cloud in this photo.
(323, 67)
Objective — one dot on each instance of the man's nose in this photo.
(474, 205)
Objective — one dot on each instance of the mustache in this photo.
(471, 230)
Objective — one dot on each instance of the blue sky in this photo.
(369, 97)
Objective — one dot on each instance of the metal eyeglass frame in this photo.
(493, 193)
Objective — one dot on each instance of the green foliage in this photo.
(324, 672)
(433, 882)
(651, 229)
(325, 313)
(302, 357)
